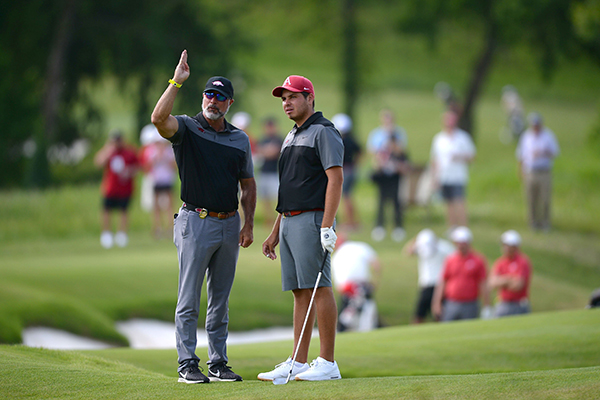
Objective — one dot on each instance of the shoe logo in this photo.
(217, 373)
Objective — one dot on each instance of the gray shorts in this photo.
(301, 252)
(455, 310)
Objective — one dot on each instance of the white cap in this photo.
(425, 243)
(534, 118)
(511, 238)
(342, 123)
(462, 234)
(149, 135)
(241, 120)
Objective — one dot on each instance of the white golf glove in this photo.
(328, 238)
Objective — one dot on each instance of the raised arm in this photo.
(166, 124)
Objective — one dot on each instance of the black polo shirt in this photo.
(307, 152)
(211, 163)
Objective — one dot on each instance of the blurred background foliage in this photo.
(69, 65)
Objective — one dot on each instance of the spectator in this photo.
(163, 171)
(451, 152)
(462, 283)
(536, 151)
(242, 120)
(148, 137)
(511, 275)
(268, 151)
(432, 252)
(120, 164)
(355, 269)
(387, 144)
(352, 152)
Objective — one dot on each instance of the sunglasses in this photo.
(211, 95)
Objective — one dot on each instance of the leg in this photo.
(381, 207)
(194, 254)
(531, 197)
(301, 301)
(545, 199)
(105, 219)
(395, 197)
(156, 214)
(219, 280)
(326, 321)
(460, 212)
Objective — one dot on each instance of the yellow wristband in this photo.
(172, 82)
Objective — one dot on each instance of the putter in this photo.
(282, 381)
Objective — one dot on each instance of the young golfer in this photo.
(310, 188)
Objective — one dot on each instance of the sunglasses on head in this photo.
(211, 95)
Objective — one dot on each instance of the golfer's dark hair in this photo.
(305, 94)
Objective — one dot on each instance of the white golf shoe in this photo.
(106, 239)
(378, 233)
(320, 370)
(121, 239)
(398, 235)
(282, 370)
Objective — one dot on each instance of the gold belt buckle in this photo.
(203, 213)
(222, 215)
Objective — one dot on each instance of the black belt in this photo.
(203, 212)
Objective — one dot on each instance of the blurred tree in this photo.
(47, 48)
(546, 26)
(586, 16)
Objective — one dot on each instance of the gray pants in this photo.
(210, 247)
(538, 191)
(455, 310)
(506, 308)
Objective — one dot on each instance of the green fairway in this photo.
(548, 355)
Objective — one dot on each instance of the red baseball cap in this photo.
(294, 83)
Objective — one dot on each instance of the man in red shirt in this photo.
(511, 275)
(120, 164)
(462, 282)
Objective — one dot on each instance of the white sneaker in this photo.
(398, 235)
(320, 370)
(282, 370)
(378, 233)
(121, 239)
(106, 239)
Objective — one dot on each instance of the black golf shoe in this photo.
(192, 374)
(221, 372)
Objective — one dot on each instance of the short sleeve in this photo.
(248, 166)
(177, 138)
(330, 148)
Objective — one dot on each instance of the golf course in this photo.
(54, 272)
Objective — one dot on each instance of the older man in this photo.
(213, 157)
(535, 152)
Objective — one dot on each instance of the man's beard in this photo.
(213, 113)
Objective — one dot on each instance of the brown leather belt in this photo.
(293, 213)
(203, 212)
